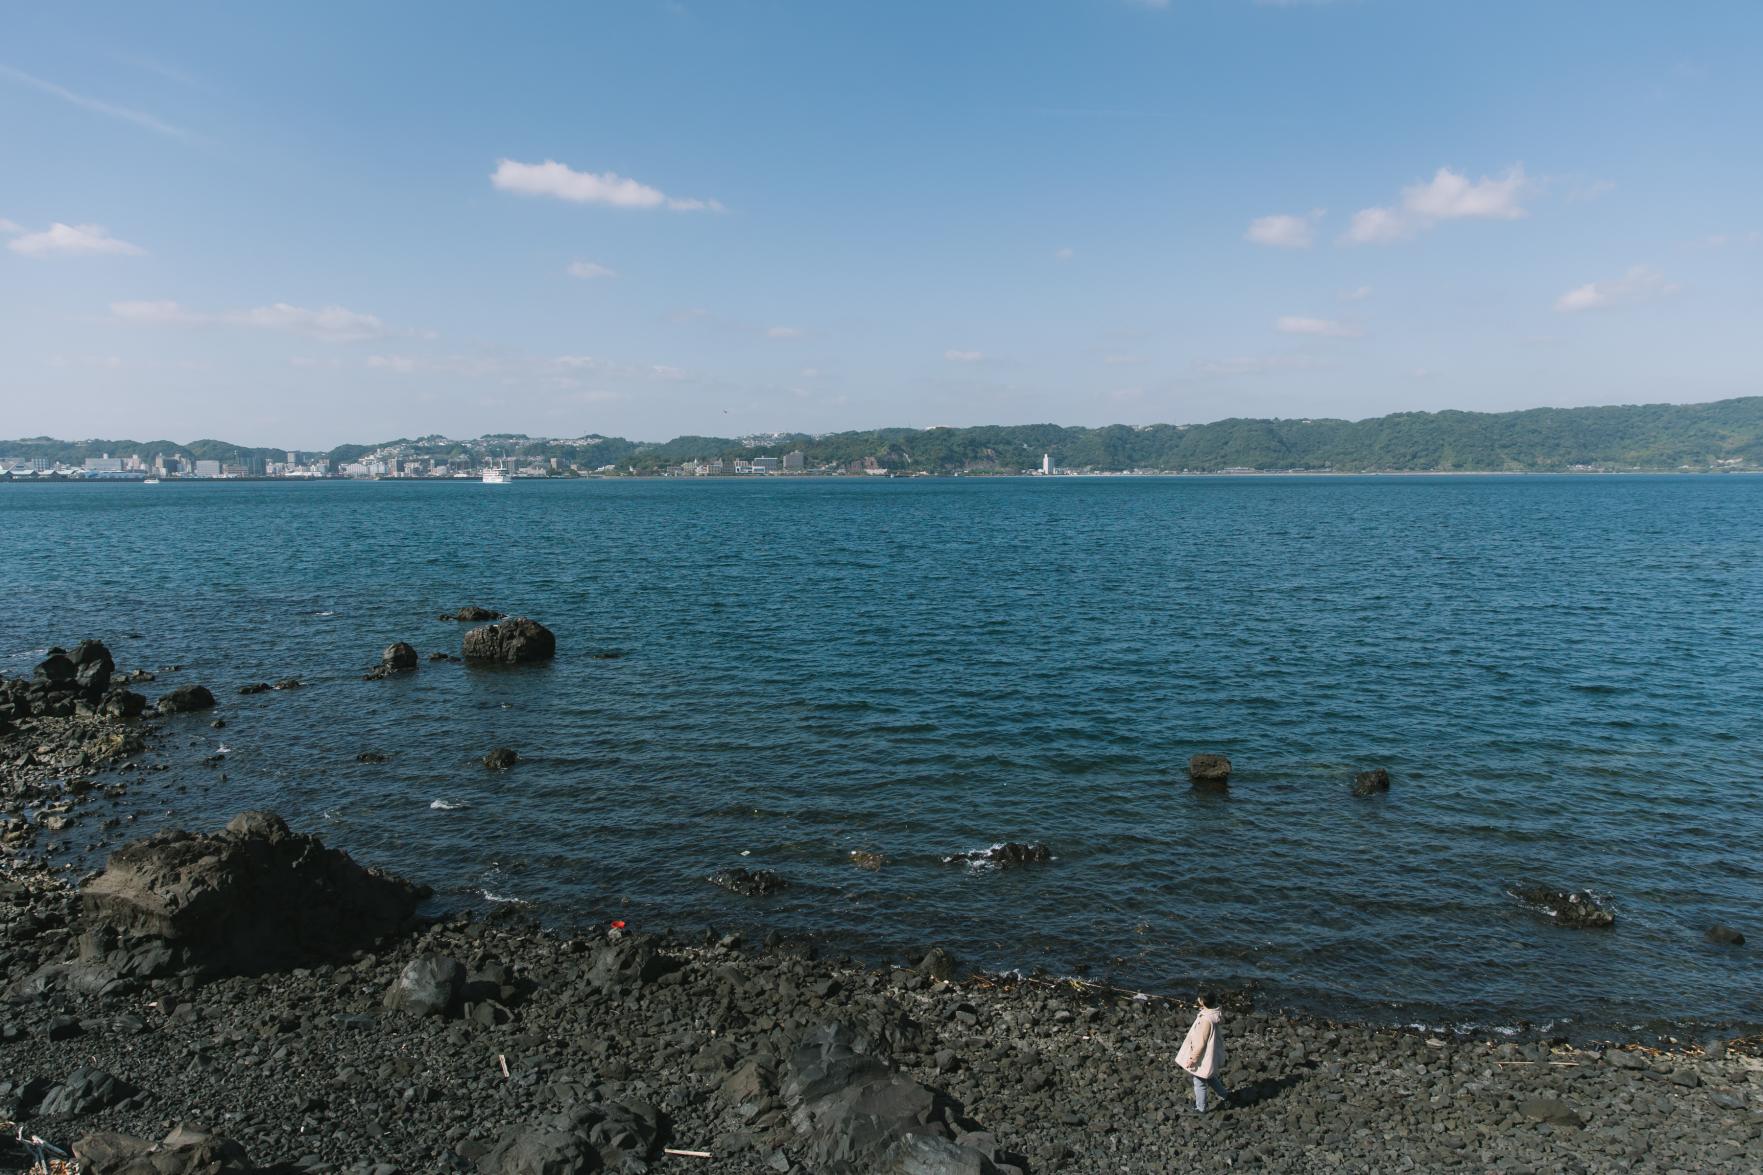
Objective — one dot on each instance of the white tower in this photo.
(1046, 465)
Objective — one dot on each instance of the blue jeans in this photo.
(1201, 1085)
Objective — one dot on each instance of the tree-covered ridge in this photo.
(1726, 434)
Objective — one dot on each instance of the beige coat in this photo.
(1202, 1053)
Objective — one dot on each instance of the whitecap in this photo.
(447, 805)
(496, 897)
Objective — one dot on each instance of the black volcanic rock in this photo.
(186, 699)
(398, 657)
(751, 883)
(511, 642)
(251, 898)
(501, 759)
(472, 614)
(1568, 908)
(1725, 935)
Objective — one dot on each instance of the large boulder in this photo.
(512, 642)
(429, 985)
(182, 1152)
(614, 1136)
(93, 667)
(55, 669)
(186, 699)
(86, 1091)
(502, 758)
(253, 897)
(625, 964)
(399, 657)
(856, 1113)
(1209, 771)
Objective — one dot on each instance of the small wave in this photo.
(502, 899)
(223, 749)
(448, 805)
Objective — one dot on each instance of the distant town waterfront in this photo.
(1557, 673)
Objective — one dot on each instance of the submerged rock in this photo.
(1004, 855)
(752, 883)
(501, 759)
(512, 642)
(1371, 783)
(1576, 909)
(261, 687)
(1725, 935)
(472, 614)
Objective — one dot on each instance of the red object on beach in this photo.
(618, 925)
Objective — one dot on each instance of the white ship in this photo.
(495, 476)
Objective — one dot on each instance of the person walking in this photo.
(1202, 1053)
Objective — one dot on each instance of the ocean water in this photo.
(1563, 675)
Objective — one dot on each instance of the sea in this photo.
(1563, 676)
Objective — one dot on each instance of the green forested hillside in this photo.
(1722, 435)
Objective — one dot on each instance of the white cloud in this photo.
(1731, 240)
(1065, 254)
(1284, 231)
(590, 270)
(783, 332)
(954, 356)
(331, 324)
(92, 104)
(1357, 294)
(562, 182)
(71, 239)
(8, 227)
(1449, 195)
(1640, 284)
(1298, 324)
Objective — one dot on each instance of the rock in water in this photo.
(472, 614)
(1209, 771)
(1004, 855)
(398, 657)
(253, 897)
(186, 699)
(511, 642)
(261, 687)
(1371, 783)
(1725, 935)
(501, 759)
(752, 883)
(1574, 909)
(429, 985)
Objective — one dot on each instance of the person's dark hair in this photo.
(1208, 998)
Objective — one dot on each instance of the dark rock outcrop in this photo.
(260, 687)
(251, 898)
(1371, 783)
(1568, 908)
(86, 1091)
(1210, 771)
(512, 642)
(614, 1136)
(429, 985)
(472, 614)
(501, 759)
(1005, 855)
(751, 883)
(1725, 935)
(186, 699)
(182, 1152)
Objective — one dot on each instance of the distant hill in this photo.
(1727, 434)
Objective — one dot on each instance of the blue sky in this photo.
(304, 224)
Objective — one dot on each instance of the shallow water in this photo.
(1561, 674)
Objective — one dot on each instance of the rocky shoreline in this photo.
(250, 1000)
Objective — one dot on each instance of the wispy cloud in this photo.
(97, 106)
(1449, 195)
(1356, 294)
(68, 239)
(1257, 365)
(331, 324)
(1065, 254)
(563, 182)
(590, 270)
(1640, 284)
(1283, 230)
(1299, 324)
(954, 356)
